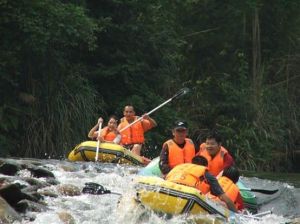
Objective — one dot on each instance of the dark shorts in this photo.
(129, 146)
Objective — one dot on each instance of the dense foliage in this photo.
(64, 63)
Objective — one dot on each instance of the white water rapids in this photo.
(106, 209)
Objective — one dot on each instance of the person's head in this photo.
(232, 173)
(180, 131)
(129, 112)
(112, 122)
(213, 143)
(200, 160)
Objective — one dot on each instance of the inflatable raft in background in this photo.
(108, 153)
(249, 198)
(174, 199)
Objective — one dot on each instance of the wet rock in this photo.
(40, 172)
(6, 180)
(25, 162)
(32, 194)
(52, 181)
(35, 182)
(48, 193)
(295, 221)
(26, 205)
(69, 190)
(7, 213)
(12, 194)
(3, 181)
(66, 217)
(9, 168)
(30, 189)
(68, 168)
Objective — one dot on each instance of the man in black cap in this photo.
(178, 150)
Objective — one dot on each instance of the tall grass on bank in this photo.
(61, 121)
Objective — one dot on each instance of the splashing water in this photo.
(112, 208)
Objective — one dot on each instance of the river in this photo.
(113, 208)
(291, 178)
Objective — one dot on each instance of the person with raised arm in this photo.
(109, 133)
(133, 135)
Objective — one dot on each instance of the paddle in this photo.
(94, 188)
(181, 92)
(98, 142)
(263, 191)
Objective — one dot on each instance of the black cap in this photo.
(180, 125)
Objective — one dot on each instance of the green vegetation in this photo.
(64, 63)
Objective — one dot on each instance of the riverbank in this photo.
(290, 178)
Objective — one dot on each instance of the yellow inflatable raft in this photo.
(166, 197)
(108, 152)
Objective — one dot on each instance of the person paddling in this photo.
(133, 137)
(108, 133)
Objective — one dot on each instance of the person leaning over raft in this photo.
(178, 150)
(108, 133)
(133, 136)
(194, 175)
(228, 182)
(217, 156)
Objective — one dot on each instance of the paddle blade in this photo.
(180, 93)
(263, 191)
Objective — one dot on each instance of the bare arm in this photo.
(151, 120)
(164, 160)
(117, 139)
(217, 190)
(228, 202)
(92, 133)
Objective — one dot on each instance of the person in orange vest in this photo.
(194, 175)
(228, 182)
(217, 156)
(178, 150)
(108, 133)
(133, 136)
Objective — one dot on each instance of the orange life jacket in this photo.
(216, 164)
(179, 155)
(230, 189)
(204, 187)
(108, 135)
(187, 174)
(132, 135)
